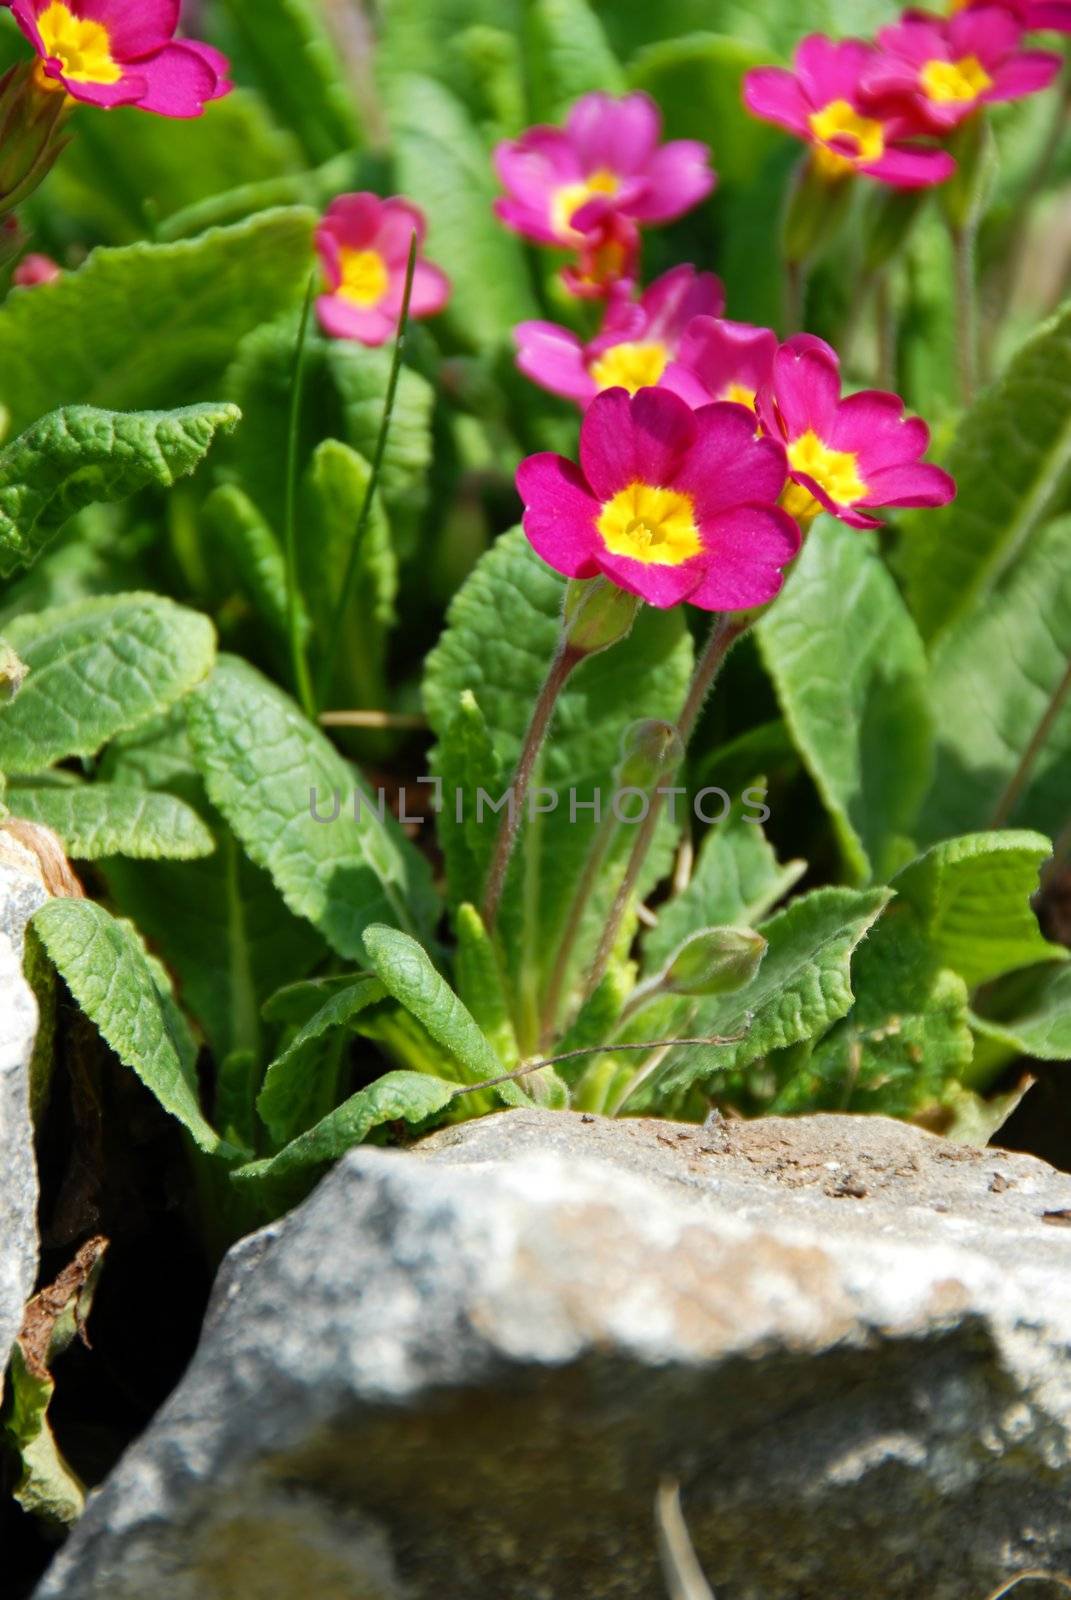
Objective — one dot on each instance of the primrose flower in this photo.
(608, 260)
(122, 53)
(668, 503)
(1035, 15)
(637, 341)
(820, 102)
(363, 243)
(936, 73)
(35, 269)
(562, 183)
(721, 360)
(849, 456)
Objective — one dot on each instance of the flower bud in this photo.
(31, 124)
(35, 269)
(715, 961)
(817, 205)
(650, 750)
(597, 615)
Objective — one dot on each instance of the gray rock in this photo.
(462, 1373)
(21, 892)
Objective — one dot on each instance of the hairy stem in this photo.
(299, 662)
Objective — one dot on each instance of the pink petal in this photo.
(806, 386)
(728, 466)
(179, 83)
(560, 514)
(678, 296)
(129, 91)
(988, 32)
(679, 176)
(872, 424)
(524, 220)
(135, 27)
(1054, 14)
(398, 221)
(327, 247)
(746, 550)
(532, 167)
(775, 94)
(906, 168)
(660, 586)
(341, 319)
(619, 135)
(554, 358)
(637, 440)
(915, 485)
(720, 353)
(1026, 73)
(914, 40)
(217, 62)
(830, 70)
(431, 291)
(353, 220)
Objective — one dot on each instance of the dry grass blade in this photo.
(683, 1574)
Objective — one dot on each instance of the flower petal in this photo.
(660, 586)
(431, 291)
(398, 221)
(917, 484)
(912, 168)
(559, 515)
(806, 386)
(353, 220)
(746, 550)
(873, 426)
(341, 319)
(679, 176)
(619, 135)
(553, 357)
(179, 82)
(728, 466)
(135, 27)
(1026, 73)
(776, 95)
(637, 440)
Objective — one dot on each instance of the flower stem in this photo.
(1023, 772)
(600, 846)
(338, 621)
(566, 658)
(723, 635)
(302, 680)
(964, 240)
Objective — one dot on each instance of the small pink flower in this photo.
(721, 360)
(820, 103)
(934, 73)
(364, 248)
(849, 456)
(122, 53)
(669, 503)
(562, 182)
(35, 269)
(637, 341)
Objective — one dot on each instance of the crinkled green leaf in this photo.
(80, 454)
(103, 819)
(850, 673)
(396, 1097)
(103, 963)
(291, 53)
(288, 1101)
(996, 677)
(97, 668)
(1012, 462)
(47, 1486)
(567, 55)
(149, 324)
(264, 766)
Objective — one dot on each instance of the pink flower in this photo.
(562, 182)
(637, 342)
(35, 269)
(669, 503)
(122, 53)
(820, 103)
(364, 248)
(608, 260)
(1052, 15)
(849, 456)
(721, 360)
(935, 73)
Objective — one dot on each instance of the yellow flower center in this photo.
(655, 526)
(81, 46)
(365, 279)
(630, 366)
(741, 396)
(836, 471)
(571, 196)
(949, 83)
(839, 120)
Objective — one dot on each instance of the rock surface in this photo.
(21, 892)
(462, 1374)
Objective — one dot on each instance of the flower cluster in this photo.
(882, 109)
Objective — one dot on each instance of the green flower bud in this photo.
(31, 126)
(818, 204)
(715, 961)
(597, 615)
(650, 750)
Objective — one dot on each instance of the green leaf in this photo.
(290, 1098)
(396, 1097)
(290, 51)
(566, 55)
(481, 986)
(803, 986)
(996, 675)
(444, 165)
(406, 972)
(79, 455)
(851, 680)
(240, 534)
(465, 763)
(103, 963)
(1012, 462)
(264, 765)
(1030, 1012)
(149, 323)
(417, 35)
(102, 819)
(97, 668)
(736, 883)
(972, 897)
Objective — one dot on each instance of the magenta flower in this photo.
(637, 341)
(721, 360)
(935, 73)
(607, 262)
(364, 248)
(1035, 15)
(35, 269)
(122, 53)
(849, 456)
(562, 182)
(820, 102)
(669, 503)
